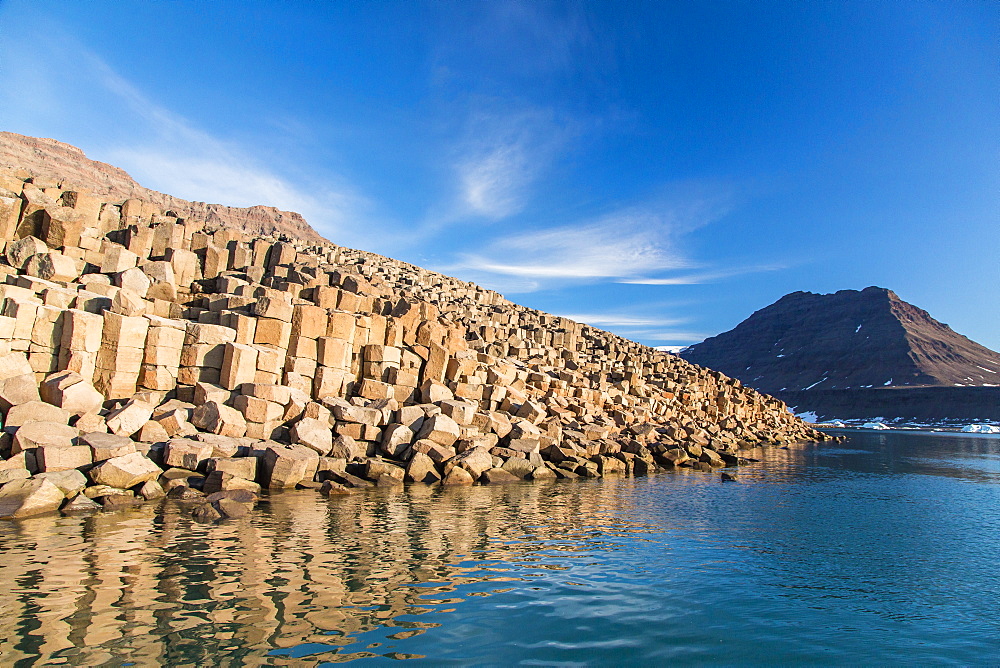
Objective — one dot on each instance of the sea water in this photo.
(883, 549)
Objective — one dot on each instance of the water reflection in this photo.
(812, 542)
(302, 578)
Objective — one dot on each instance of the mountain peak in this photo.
(848, 339)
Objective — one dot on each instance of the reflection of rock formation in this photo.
(159, 589)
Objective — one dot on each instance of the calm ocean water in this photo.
(884, 549)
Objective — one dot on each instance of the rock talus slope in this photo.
(147, 350)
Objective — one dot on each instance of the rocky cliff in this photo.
(148, 351)
(66, 167)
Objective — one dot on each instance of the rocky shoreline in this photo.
(144, 354)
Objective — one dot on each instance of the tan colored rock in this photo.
(71, 392)
(25, 498)
(130, 418)
(70, 482)
(125, 471)
(421, 468)
(37, 434)
(219, 419)
(314, 434)
(440, 429)
(107, 446)
(286, 466)
(458, 476)
(22, 250)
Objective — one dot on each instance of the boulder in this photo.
(59, 458)
(440, 429)
(499, 476)
(71, 392)
(105, 446)
(314, 434)
(130, 418)
(476, 461)
(286, 466)
(421, 469)
(396, 439)
(19, 252)
(80, 504)
(18, 390)
(219, 419)
(24, 498)
(184, 453)
(35, 411)
(458, 476)
(125, 471)
(37, 434)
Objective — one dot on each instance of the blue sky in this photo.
(658, 169)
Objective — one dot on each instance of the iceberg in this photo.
(981, 429)
(873, 425)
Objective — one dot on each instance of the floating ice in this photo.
(873, 425)
(981, 429)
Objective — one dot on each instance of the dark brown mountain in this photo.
(66, 165)
(845, 340)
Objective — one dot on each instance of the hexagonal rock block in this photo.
(106, 446)
(421, 469)
(475, 460)
(70, 482)
(219, 419)
(286, 466)
(37, 434)
(58, 458)
(440, 429)
(314, 434)
(24, 498)
(35, 411)
(71, 392)
(185, 453)
(125, 471)
(130, 418)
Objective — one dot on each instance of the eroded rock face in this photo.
(125, 471)
(25, 498)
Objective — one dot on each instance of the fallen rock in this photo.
(25, 498)
(125, 471)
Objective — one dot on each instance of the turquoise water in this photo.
(884, 549)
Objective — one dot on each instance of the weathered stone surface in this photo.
(80, 504)
(35, 411)
(25, 498)
(421, 468)
(125, 471)
(130, 418)
(219, 419)
(219, 481)
(396, 439)
(475, 460)
(499, 476)
(440, 429)
(314, 434)
(186, 453)
(240, 467)
(458, 476)
(286, 466)
(105, 446)
(37, 434)
(60, 458)
(72, 392)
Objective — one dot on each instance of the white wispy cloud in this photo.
(502, 151)
(165, 151)
(698, 278)
(625, 244)
(622, 320)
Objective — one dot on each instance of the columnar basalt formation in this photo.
(144, 353)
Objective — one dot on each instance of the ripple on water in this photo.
(880, 551)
